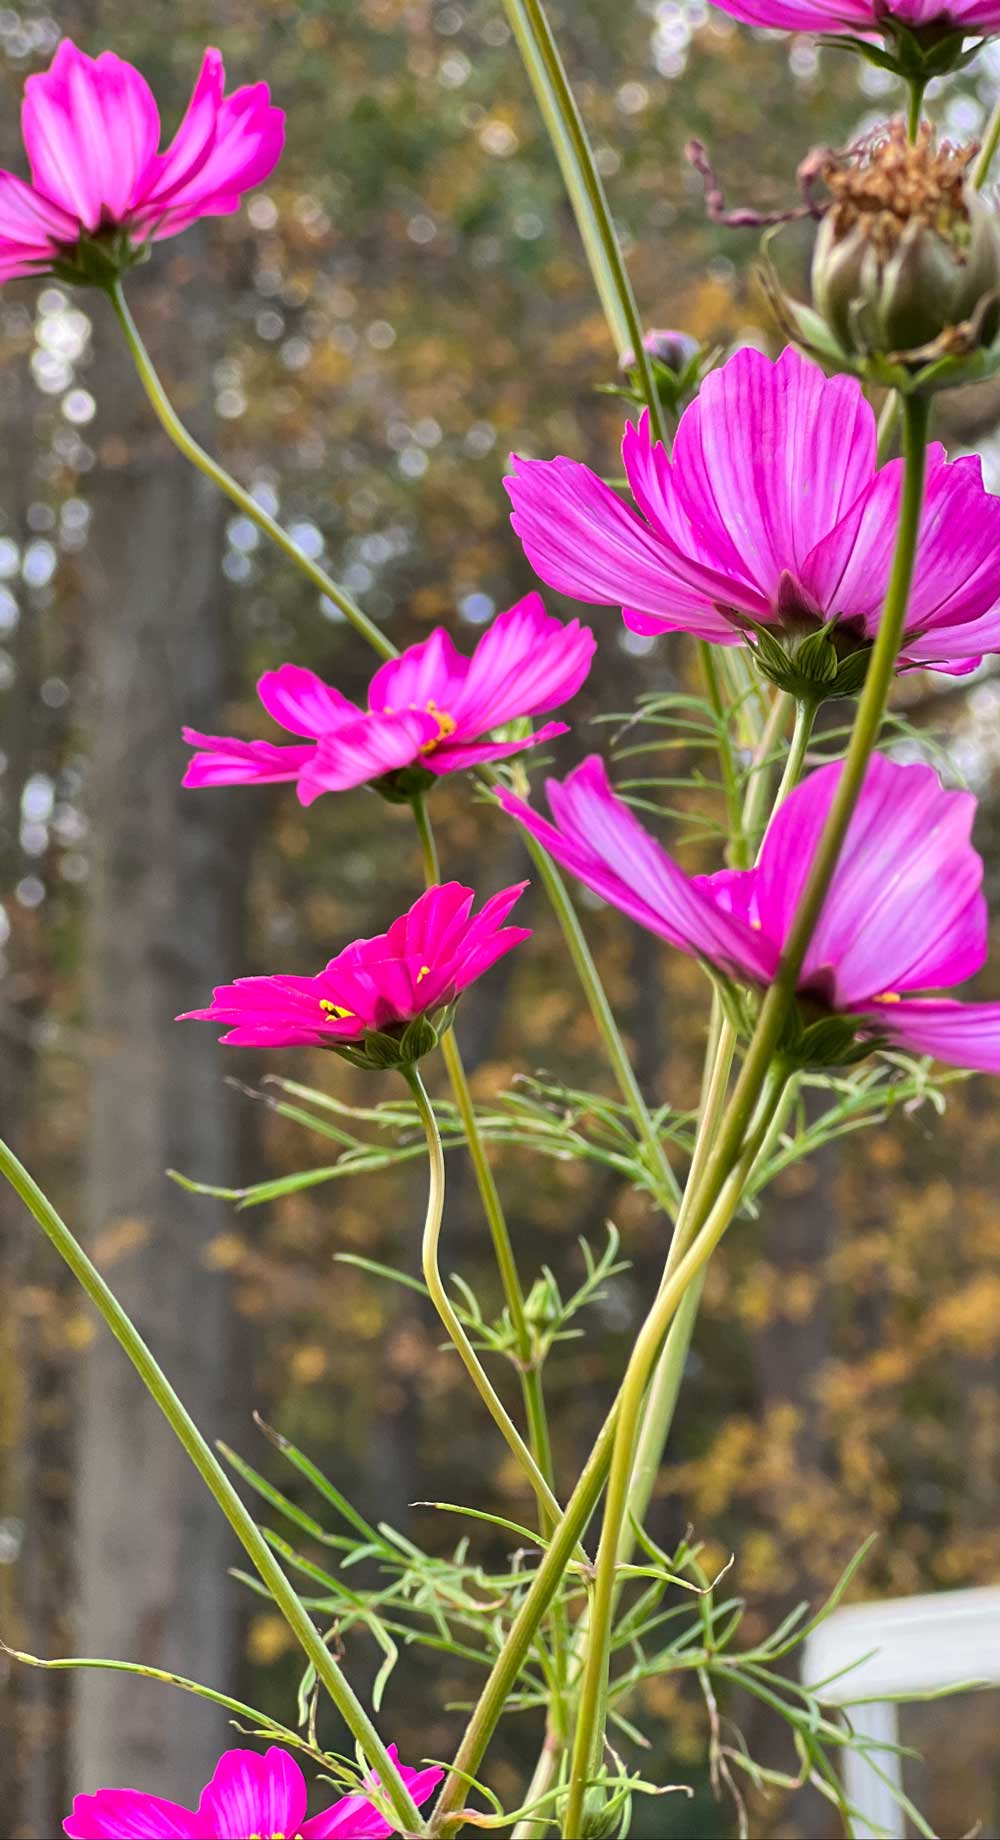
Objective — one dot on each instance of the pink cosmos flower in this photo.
(91, 132)
(772, 507)
(249, 1794)
(974, 18)
(428, 708)
(904, 914)
(417, 969)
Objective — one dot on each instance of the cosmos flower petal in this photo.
(905, 909)
(432, 671)
(456, 758)
(963, 1034)
(598, 839)
(301, 702)
(223, 761)
(91, 127)
(364, 749)
(526, 663)
(354, 1817)
(128, 1814)
(863, 16)
(582, 539)
(254, 1794)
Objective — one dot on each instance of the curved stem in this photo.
(805, 721)
(558, 105)
(215, 1478)
(987, 152)
(192, 450)
(445, 1309)
(530, 1377)
(589, 1737)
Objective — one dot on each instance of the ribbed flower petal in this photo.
(301, 702)
(963, 1034)
(456, 757)
(583, 540)
(768, 457)
(127, 1814)
(904, 910)
(600, 841)
(207, 179)
(355, 1817)
(223, 761)
(251, 1794)
(526, 663)
(91, 128)
(32, 228)
(364, 749)
(432, 671)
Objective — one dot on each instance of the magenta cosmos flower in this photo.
(372, 996)
(248, 1795)
(91, 131)
(772, 509)
(972, 18)
(904, 914)
(428, 709)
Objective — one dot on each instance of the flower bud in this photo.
(908, 252)
(674, 350)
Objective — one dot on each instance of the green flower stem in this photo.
(214, 1476)
(543, 63)
(445, 1309)
(727, 756)
(589, 1738)
(665, 1183)
(888, 422)
(987, 152)
(871, 709)
(805, 722)
(582, 1503)
(528, 1369)
(193, 451)
(914, 106)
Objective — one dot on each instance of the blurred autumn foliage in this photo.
(404, 304)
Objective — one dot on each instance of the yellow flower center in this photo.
(446, 726)
(329, 1009)
(888, 996)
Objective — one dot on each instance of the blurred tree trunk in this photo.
(164, 924)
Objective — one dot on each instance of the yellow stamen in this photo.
(423, 972)
(888, 996)
(446, 726)
(329, 1009)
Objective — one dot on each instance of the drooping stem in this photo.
(214, 1476)
(446, 1310)
(530, 1377)
(589, 1736)
(192, 450)
(543, 63)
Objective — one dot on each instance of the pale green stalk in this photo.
(446, 1310)
(192, 450)
(589, 1739)
(214, 1476)
(987, 152)
(728, 1147)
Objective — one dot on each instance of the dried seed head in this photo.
(907, 251)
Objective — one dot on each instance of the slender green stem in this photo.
(871, 709)
(214, 1476)
(528, 1370)
(665, 1183)
(445, 1309)
(888, 422)
(589, 1736)
(727, 756)
(805, 721)
(914, 106)
(558, 105)
(193, 451)
(987, 152)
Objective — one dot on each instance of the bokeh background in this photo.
(401, 305)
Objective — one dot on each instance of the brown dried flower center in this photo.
(887, 182)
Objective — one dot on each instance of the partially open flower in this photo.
(908, 252)
(382, 1002)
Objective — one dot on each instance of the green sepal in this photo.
(99, 261)
(380, 1049)
(914, 56)
(405, 784)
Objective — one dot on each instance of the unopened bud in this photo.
(674, 350)
(908, 252)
